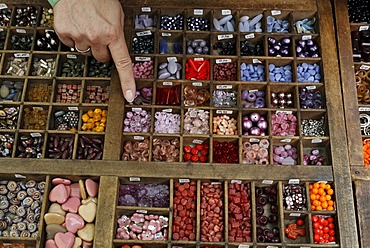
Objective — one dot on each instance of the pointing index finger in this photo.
(122, 60)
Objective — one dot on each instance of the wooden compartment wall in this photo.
(353, 110)
(111, 169)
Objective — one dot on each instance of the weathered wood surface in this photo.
(341, 169)
(363, 213)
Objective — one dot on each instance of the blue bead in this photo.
(243, 66)
(300, 79)
(272, 78)
(318, 76)
(271, 67)
(278, 76)
(306, 75)
(246, 73)
(304, 65)
(163, 47)
(310, 79)
(288, 67)
(312, 72)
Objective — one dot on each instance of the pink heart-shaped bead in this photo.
(64, 240)
(68, 188)
(91, 187)
(74, 222)
(75, 190)
(50, 244)
(59, 180)
(58, 194)
(71, 205)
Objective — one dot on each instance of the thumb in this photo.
(122, 60)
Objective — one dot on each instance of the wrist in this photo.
(53, 2)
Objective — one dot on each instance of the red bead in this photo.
(194, 158)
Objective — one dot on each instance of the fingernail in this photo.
(129, 96)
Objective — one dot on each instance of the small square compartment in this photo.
(96, 92)
(225, 122)
(172, 19)
(71, 65)
(124, 215)
(20, 39)
(141, 151)
(7, 16)
(39, 90)
(276, 19)
(43, 65)
(198, 20)
(144, 93)
(170, 43)
(143, 67)
(137, 120)
(225, 150)
(221, 18)
(317, 127)
(93, 119)
(168, 93)
(254, 96)
(198, 68)
(30, 145)
(196, 121)
(252, 44)
(64, 119)
(163, 146)
(303, 236)
(281, 71)
(145, 18)
(143, 43)
(46, 40)
(11, 90)
(309, 72)
(3, 35)
(316, 150)
(67, 91)
(285, 152)
(247, 17)
(60, 146)
(312, 97)
(309, 18)
(8, 146)
(90, 147)
(325, 198)
(198, 44)
(295, 198)
(332, 225)
(167, 121)
(307, 46)
(252, 70)
(255, 123)
(19, 16)
(196, 94)
(280, 46)
(172, 73)
(283, 97)
(29, 119)
(99, 69)
(224, 69)
(225, 95)
(47, 18)
(193, 144)
(136, 193)
(224, 44)
(279, 128)
(20, 60)
(256, 150)
(9, 116)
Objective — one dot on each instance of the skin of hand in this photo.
(97, 24)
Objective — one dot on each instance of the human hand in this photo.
(97, 24)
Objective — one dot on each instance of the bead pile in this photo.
(68, 93)
(198, 46)
(255, 125)
(222, 98)
(166, 150)
(143, 70)
(195, 97)
(137, 121)
(136, 150)
(90, 148)
(39, 92)
(11, 90)
(294, 197)
(253, 73)
(196, 153)
(30, 146)
(225, 23)
(144, 195)
(321, 197)
(66, 121)
(282, 100)
(277, 25)
(224, 125)
(6, 145)
(284, 124)
(197, 69)
(94, 120)
(285, 155)
(225, 152)
(166, 122)
(256, 152)
(196, 121)
(248, 24)
(313, 127)
(314, 158)
(280, 73)
(224, 71)
(253, 99)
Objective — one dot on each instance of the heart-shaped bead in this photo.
(82, 189)
(68, 188)
(53, 218)
(56, 208)
(50, 244)
(92, 187)
(88, 212)
(64, 240)
(75, 190)
(58, 194)
(53, 229)
(59, 180)
(87, 233)
(74, 222)
(77, 243)
(90, 199)
(71, 205)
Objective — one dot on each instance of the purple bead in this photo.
(260, 93)
(255, 117)
(315, 152)
(245, 94)
(251, 97)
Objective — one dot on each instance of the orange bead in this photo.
(318, 208)
(328, 197)
(316, 185)
(321, 191)
(313, 207)
(322, 198)
(331, 203)
(324, 204)
(323, 185)
(315, 191)
(330, 208)
(312, 197)
(330, 191)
